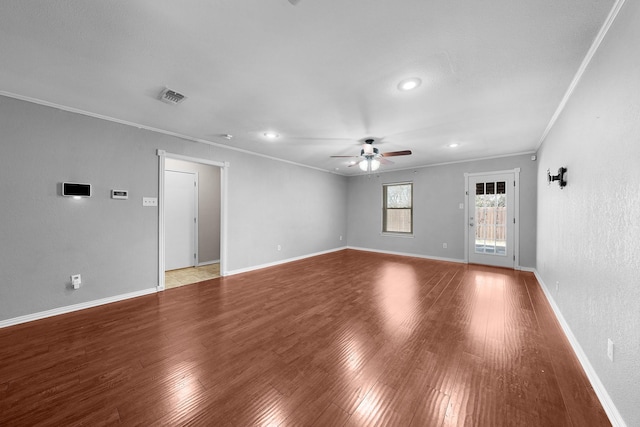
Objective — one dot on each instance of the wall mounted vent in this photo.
(171, 97)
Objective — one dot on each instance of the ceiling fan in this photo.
(371, 158)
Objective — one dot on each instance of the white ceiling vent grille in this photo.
(171, 97)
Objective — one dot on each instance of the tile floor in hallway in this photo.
(189, 275)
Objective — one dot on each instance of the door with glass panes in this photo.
(491, 221)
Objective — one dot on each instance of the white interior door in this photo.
(491, 221)
(180, 192)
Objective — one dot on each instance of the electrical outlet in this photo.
(461, 206)
(76, 281)
(444, 246)
(340, 237)
(557, 286)
(279, 247)
(610, 349)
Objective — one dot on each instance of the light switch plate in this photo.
(149, 201)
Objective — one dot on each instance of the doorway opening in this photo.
(192, 219)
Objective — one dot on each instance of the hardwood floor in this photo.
(349, 338)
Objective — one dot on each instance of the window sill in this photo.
(403, 235)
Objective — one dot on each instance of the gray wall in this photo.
(438, 192)
(589, 233)
(208, 206)
(114, 243)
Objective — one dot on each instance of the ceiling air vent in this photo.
(171, 97)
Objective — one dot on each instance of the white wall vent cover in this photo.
(171, 97)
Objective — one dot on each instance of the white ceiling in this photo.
(322, 74)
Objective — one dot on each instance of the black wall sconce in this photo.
(560, 177)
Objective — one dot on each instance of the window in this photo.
(397, 210)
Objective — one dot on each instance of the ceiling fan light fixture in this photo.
(369, 165)
(409, 84)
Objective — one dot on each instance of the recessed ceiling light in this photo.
(271, 135)
(409, 84)
(227, 136)
(453, 145)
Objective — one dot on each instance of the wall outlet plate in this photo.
(76, 281)
(610, 349)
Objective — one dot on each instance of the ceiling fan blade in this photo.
(385, 161)
(347, 157)
(396, 153)
(353, 164)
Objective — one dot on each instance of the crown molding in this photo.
(615, 10)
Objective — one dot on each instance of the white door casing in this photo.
(224, 178)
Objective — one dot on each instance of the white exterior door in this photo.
(492, 218)
(180, 192)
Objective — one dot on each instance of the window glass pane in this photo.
(399, 220)
(399, 196)
(480, 188)
(491, 219)
(491, 188)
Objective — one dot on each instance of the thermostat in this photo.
(120, 194)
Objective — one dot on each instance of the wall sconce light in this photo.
(560, 177)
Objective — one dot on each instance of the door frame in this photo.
(196, 223)
(516, 213)
(224, 171)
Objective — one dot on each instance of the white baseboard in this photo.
(434, 258)
(74, 307)
(202, 264)
(284, 261)
(598, 387)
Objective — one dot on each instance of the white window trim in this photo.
(397, 233)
